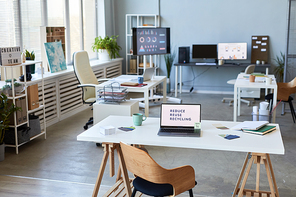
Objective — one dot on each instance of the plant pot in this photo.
(2, 152)
(168, 85)
(103, 54)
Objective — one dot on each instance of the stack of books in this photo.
(255, 127)
(262, 131)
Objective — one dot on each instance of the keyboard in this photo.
(204, 63)
(177, 130)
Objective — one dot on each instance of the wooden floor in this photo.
(16, 186)
(12, 186)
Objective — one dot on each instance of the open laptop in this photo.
(148, 74)
(178, 119)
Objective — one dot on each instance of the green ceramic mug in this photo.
(138, 119)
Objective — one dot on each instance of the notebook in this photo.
(148, 74)
(178, 119)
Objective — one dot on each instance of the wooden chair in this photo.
(154, 180)
(284, 92)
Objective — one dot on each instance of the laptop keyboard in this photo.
(177, 130)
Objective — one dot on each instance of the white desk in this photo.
(145, 89)
(147, 135)
(178, 76)
(242, 82)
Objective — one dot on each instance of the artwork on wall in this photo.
(55, 56)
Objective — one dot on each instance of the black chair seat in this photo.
(269, 97)
(152, 189)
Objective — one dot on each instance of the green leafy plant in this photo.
(31, 55)
(169, 60)
(280, 66)
(6, 87)
(6, 109)
(108, 43)
(9, 80)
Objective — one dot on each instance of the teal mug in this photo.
(138, 119)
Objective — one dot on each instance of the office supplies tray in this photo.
(112, 93)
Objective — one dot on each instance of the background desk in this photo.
(245, 83)
(210, 140)
(180, 65)
(145, 89)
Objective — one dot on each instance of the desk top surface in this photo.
(134, 78)
(147, 135)
(243, 81)
(223, 65)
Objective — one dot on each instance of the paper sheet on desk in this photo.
(121, 80)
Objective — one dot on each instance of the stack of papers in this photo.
(251, 125)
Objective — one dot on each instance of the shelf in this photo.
(32, 138)
(16, 97)
(34, 110)
(38, 135)
(12, 126)
(138, 21)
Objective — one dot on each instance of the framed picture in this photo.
(55, 56)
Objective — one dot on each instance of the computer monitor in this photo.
(151, 41)
(204, 51)
(232, 51)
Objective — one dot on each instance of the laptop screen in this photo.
(179, 115)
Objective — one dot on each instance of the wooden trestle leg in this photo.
(258, 159)
(122, 175)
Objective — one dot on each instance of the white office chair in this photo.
(86, 78)
(250, 69)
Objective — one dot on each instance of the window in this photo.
(9, 23)
(75, 25)
(89, 22)
(20, 23)
(31, 22)
(55, 12)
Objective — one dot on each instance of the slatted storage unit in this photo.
(62, 97)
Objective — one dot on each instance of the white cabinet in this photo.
(134, 64)
(19, 98)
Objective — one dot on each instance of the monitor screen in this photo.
(208, 51)
(232, 51)
(151, 41)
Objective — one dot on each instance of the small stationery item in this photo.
(129, 83)
(220, 126)
(252, 78)
(197, 127)
(140, 80)
(252, 125)
(262, 131)
(229, 136)
(107, 130)
(126, 128)
(138, 119)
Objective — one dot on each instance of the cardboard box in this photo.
(19, 117)
(33, 97)
(24, 110)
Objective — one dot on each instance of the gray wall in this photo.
(207, 22)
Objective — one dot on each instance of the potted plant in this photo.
(280, 66)
(6, 109)
(106, 47)
(30, 56)
(169, 60)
